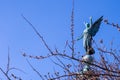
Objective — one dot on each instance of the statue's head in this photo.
(87, 25)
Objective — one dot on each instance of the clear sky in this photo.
(52, 19)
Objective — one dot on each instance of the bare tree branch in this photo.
(35, 70)
(5, 74)
(72, 30)
(44, 42)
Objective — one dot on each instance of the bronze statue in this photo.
(89, 32)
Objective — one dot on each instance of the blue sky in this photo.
(52, 19)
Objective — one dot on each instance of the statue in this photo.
(88, 33)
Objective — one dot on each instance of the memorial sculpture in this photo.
(87, 35)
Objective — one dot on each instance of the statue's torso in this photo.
(86, 33)
(87, 38)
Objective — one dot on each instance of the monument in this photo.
(87, 35)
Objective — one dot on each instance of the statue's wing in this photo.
(95, 26)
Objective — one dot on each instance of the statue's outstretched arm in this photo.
(80, 37)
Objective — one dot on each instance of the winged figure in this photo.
(89, 32)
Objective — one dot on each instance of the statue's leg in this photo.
(85, 44)
(90, 50)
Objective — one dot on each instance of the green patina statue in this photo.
(89, 32)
